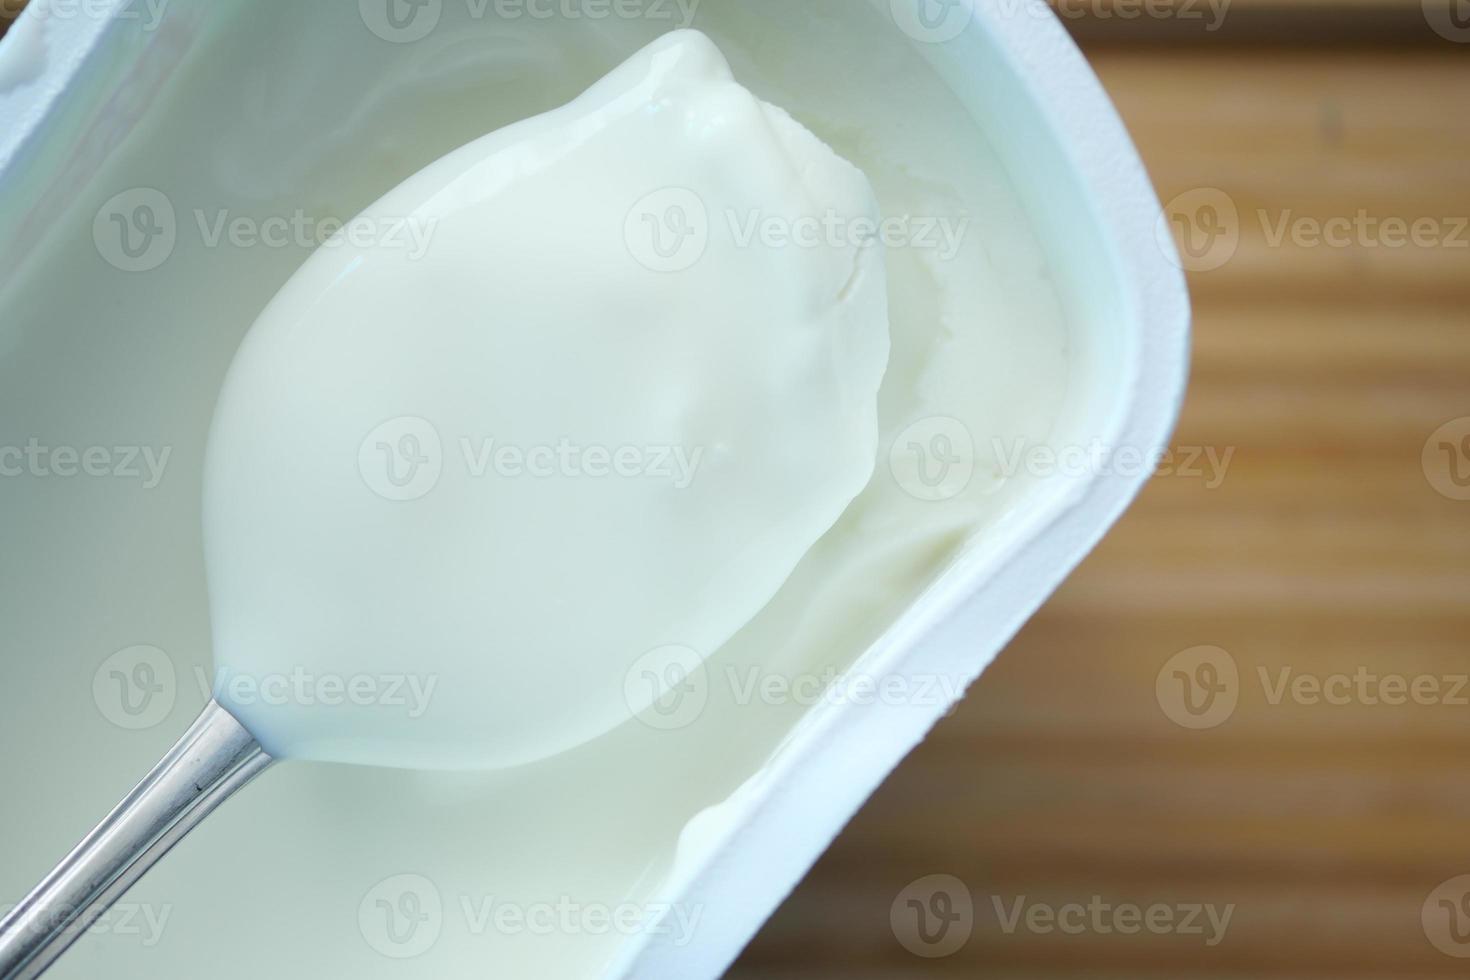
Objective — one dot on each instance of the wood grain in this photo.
(1259, 24)
(1324, 550)
(9, 10)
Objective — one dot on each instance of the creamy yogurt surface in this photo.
(550, 436)
(235, 120)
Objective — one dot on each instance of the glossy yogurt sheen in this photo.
(312, 871)
(550, 432)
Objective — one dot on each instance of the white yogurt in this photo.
(554, 428)
(307, 110)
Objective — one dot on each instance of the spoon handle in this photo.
(215, 757)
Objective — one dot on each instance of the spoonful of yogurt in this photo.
(477, 495)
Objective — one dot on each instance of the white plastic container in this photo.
(1089, 203)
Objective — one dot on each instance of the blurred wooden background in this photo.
(1324, 550)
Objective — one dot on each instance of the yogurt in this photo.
(543, 423)
(310, 111)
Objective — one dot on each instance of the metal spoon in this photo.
(215, 757)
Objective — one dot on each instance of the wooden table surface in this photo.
(1326, 550)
